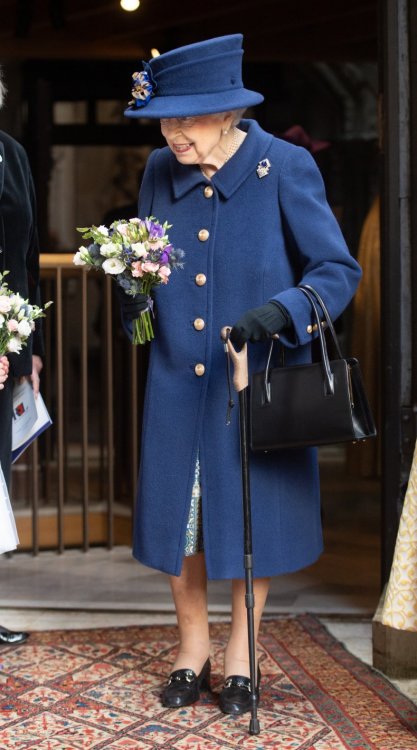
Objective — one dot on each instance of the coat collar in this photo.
(230, 177)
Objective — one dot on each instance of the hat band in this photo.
(221, 73)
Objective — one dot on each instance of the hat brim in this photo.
(193, 105)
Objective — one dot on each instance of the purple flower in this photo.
(155, 230)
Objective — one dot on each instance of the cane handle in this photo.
(239, 359)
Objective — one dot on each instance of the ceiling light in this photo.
(130, 4)
(155, 52)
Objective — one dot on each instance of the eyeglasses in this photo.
(182, 122)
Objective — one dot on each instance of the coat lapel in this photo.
(230, 177)
(2, 167)
(184, 178)
(253, 149)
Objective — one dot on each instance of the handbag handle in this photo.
(307, 288)
(313, 298)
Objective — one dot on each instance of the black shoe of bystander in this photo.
(11, 637)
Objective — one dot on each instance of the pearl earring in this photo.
(225, 131)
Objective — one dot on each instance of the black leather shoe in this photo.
(183, 687)
(235, 695)
(11, 638)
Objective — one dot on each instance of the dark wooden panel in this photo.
(273, 29)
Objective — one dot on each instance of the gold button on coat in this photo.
(199, 324)
(208, 191)
(311, 329)
(203, 235)
(199, 369)
(200, 279)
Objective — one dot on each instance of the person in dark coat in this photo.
(249, 211)
(19, 254)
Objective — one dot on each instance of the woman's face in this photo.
(198, 140)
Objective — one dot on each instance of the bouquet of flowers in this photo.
(17, 318)
(138, 255)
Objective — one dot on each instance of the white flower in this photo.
(139, 249)
(16, 301)
(78, 259)
(14, 345)
(24, 328)
(2, 320)
(103, 230)
(5, 304)
(110, 250)
(113, 266)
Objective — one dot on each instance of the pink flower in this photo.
(155, 243)
(164, 272)
(149, 267)
(137, 269)
(12, 325)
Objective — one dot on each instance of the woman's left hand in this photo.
(259, 324)
(37, 365)
(4, 370)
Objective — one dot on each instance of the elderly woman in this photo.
(250, 212)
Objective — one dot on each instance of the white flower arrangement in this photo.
(17, 319)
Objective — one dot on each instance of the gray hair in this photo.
(3, 89)
(237, 115)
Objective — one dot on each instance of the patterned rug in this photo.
(73, 690)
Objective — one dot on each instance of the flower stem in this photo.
(143, 329)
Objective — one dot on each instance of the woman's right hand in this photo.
(4, 371)
(132, 305)
(260, 323)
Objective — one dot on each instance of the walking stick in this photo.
(240, 382)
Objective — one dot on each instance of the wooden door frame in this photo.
(398, 48)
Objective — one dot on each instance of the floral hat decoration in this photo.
(143, 86)
(198, 79)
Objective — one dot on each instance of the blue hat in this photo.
(198, 79)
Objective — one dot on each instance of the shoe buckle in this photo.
(238, 682)
(181, 675)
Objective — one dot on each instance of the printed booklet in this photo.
(30, 418)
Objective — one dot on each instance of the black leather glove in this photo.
(260, 324)
(131, 306)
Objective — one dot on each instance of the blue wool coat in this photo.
(247, 240)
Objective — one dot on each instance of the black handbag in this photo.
(311, 404)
